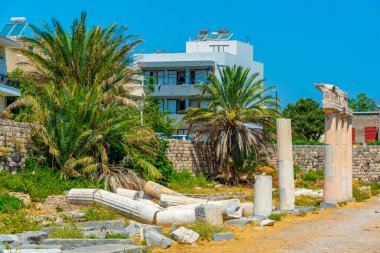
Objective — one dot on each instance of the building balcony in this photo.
(175, 91)
(9, 87)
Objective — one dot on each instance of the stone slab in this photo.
(109, 248)
(222, 236)
(184, 235)
(108, 224)
(209, 213)
(32, 251)
(238, 223)
(267, 222)
(68, 244)
(155, 239)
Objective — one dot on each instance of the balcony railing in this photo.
(11, 82)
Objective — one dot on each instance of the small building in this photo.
(174, 75)
(8, 88)
(365, 127)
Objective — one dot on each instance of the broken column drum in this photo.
(338, 145)
(262, 204)
(285, 164)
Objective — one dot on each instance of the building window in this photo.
(192, 76)
(181, 106)
(193, 103)
(30, 48)
(181, 77)
(219, 48)
(171, 105)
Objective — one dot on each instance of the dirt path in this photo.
(353, 228)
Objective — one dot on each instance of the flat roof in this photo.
(5, 42)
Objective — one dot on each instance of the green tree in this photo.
(362, 103)
(84, 121)
(235, 119)
(307, 119)
(155, 118)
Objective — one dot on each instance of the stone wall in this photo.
(366, 159)
(14, 138)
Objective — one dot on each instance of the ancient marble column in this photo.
(262, 204)
(349, 158)
(329, 192)
(344, 185)
(285, 164)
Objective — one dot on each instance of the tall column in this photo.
(329, 193)
(344, 159)
(349, 159)
(338, 158)
(285, 164)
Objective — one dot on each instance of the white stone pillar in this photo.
(338, 159)
(349, 159)
(285, 164)
(262, 204)
(329, 193)
(344, 163)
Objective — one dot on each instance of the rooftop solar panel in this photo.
(213, 36)
(201, 37)
(17, 30)
(225, 36)
(14, 30)
(6, 29)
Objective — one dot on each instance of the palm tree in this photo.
(236, 118)
(83, 120)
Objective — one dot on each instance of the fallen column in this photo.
(180, 215)
(285, 164)
(173, 200)
(132, 209)
(131, 194)
(156, 190)
(262, 196)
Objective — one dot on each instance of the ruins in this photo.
(338, 145)
(285, 164)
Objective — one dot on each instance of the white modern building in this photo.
(8, 88)
(174, 74)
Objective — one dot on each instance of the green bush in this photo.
(184, 179)
(97, 212)
(205, 229)
(373, 143)
(9, 203)
(313, 175)
(276, 216)
(112, 235)
(41, 181)
(307, 142)
(67, 232)
(360, 195)
(304, 200)
(17, 222)
(297, 171)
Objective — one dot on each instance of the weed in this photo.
(205, 229)
(59, 209)
(10, 203)
(92, 236)
(305, 200)
(184, 180)
(17, 222)
(112, 235)
(313, 175)
(360, 195)
(68, 232)
(97, 212)
(276, 216)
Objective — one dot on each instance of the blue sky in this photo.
(300, 42)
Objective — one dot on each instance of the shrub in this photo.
(184, 179)
(276, 216)
(313, 175)
(297, 171)
(67, 232)
(17, 222)
(97, 212)
(307, 142)
(41, 181)
(9, 203)
(360, 195)
(205, 229)
(112, 235)
(304, 200)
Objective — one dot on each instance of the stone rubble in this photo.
(184, 235)
(222, 236)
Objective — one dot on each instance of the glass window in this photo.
(181, 106)
(172, 77)
(181, 77)
(193, 103)
(172, 105)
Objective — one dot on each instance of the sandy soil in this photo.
(353, 228)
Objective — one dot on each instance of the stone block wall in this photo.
(366, 159)
(14, 148)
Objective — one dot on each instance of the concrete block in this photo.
(267, 222)
(33, 237)
(156, 240)
(222, 236)
(184, 235)
(238, 223)
(109, 248)
(107, 224)
(209, 213)
(69, 244)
